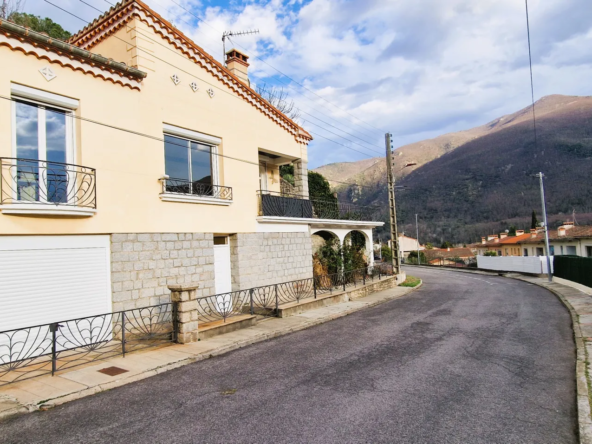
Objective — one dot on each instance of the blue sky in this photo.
(416, 68)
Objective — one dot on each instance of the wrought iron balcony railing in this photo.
(29, 181)
(187, 187)
(293, 205)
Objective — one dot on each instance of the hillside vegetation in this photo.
(484, 184)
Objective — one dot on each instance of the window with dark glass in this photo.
(188, 165)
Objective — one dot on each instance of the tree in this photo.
(446, 244)
(412, 258)
(512, 231)
(534, 221)
(490, 253)
(386, 253)
(331, 255)
(278, 97)
(429, 246)
(39, 24)
(287, 173)
(324, 201)
(10, 7)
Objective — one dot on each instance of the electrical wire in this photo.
(198, 78)
(280, 72)
(155, 138)
(282, 82)
(289, 86)
(531, 78)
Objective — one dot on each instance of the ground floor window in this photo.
(571, 250)
(589, 251)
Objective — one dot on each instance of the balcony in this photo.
(183, 190)
(292, 206)
(40, 187)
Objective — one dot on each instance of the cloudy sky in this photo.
(359, 68)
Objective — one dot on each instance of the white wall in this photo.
(535, 265)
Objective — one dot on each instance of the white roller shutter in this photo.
(47, 279)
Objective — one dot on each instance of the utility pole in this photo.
(417, 235)
(392, 208)
(550, 275)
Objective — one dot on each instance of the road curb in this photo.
(79, 394)
(583, 383)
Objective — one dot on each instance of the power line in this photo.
(335, 134)
(531, 79)
(280, 72)
(149, 136)
(282, 82)
(205, 81)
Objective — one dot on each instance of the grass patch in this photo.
(411, 281)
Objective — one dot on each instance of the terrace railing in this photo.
(187, 187)
(28, 181)
(293, 205)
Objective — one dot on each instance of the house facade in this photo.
(568, 239)
(132, 160)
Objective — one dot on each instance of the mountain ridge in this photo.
(487, 166)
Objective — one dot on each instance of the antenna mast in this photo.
(228, 34)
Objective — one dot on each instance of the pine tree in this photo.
(535, 222)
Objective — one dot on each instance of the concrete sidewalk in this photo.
(47, 391)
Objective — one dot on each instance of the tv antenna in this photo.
(228, 34)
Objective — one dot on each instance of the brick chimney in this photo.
(503, 235)
(519, 232)
(483, 241)
(533, 232)
(237, 63)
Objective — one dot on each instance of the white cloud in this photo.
(415, 68)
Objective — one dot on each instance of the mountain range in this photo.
(480, 181)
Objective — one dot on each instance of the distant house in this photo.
(501, 244)
(407, 245)
(568, 239)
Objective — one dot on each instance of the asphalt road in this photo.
(464, 359)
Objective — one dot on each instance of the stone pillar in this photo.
(301, 178)
(185, 299)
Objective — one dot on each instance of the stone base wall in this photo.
(259, 259)
(143, 265)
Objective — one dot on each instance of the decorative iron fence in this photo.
(266, 300)
(27, 181)
(44, 349)
(187, 187)
(284, 205)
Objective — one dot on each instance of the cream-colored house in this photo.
(132, 160)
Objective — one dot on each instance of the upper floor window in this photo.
(43, 145)
(189, 166)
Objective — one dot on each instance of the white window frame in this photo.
(213, 142)
(42, 100)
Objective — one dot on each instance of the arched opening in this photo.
(326, 253)
(356, 255)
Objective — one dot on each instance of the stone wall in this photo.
(259, 259)
(142, 265)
